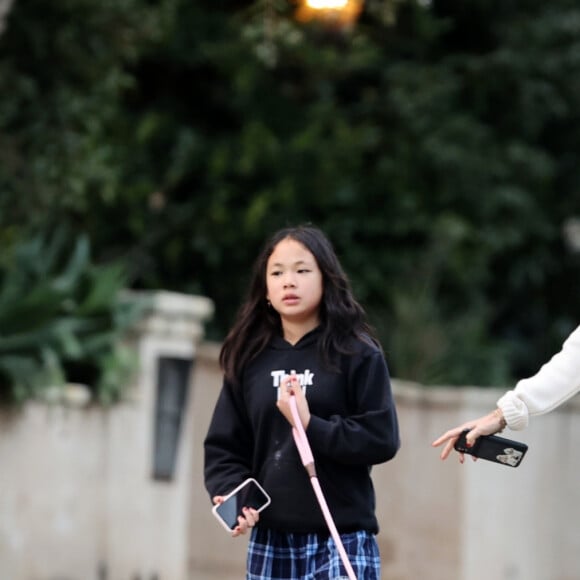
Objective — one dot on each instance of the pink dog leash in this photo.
(308, 461)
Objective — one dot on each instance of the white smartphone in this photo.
(248, 494)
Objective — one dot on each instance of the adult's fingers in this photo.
(452, 434)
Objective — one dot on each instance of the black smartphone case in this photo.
(494, 448)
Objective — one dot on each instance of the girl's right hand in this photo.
(245, 522)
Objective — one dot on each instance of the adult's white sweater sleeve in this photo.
(552, 385)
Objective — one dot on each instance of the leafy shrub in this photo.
(62, 319)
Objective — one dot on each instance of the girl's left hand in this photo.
(291, 386)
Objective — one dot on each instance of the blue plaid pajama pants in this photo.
(274, 555)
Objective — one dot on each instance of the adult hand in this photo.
(288, 387)
(245, 522)
(486, 425)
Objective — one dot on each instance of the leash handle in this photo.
(308, 461)
(301, 441)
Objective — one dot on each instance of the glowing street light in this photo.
(327, 4)
(342, 13)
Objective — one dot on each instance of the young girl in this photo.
(301, 332)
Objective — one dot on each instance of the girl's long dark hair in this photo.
(341, 316)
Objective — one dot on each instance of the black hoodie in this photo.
(353, 426)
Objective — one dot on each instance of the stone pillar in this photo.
(147, 531)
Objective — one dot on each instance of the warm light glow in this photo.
(341, 13)
(327, 4)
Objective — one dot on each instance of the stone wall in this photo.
(78, 498)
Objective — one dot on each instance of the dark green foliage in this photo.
(62, 319)
(62, 71)
(439, 150)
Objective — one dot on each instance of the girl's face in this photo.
(294, 283)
